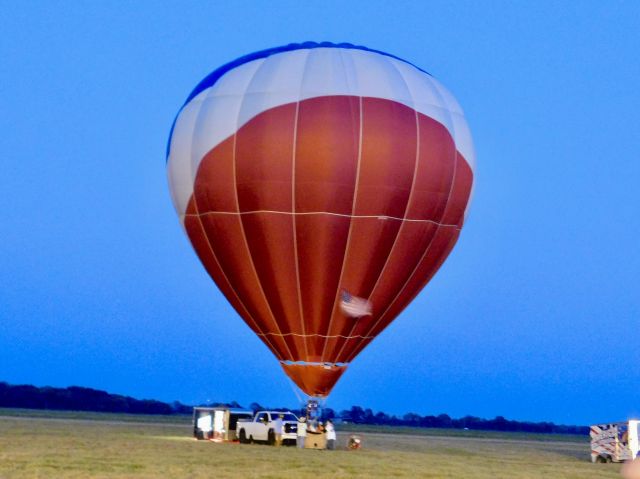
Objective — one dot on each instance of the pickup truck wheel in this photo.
(243, 437)
(271, 437)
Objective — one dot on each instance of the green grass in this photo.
(86, 445)
(420, 431)
(96, 416)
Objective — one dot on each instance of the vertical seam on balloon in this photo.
(191, 165)
(293, 209)
(406, 210)
(172, 189)
(346, 249)
(260, 330)
(215, 257)
(438, 87)
(244, 235)
(428, 248)
(204, 232)
(424, 255)
(360, 345)
(353, 204)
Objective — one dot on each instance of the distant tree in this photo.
(357, 414)
(470, 422)
(179, 408)
(381, 418)
(500, 423)
(328, 413)
(444, 420)
(411, 419)
(368, 417)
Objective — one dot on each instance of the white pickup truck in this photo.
(261, 428)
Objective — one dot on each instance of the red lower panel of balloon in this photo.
(315, 380)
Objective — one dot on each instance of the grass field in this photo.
(88, 445)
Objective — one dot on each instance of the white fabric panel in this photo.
(434, 100)
(449, 101)
(326, 70)
(459, 130)
(178, 166)
(252, 88)
(236, 81)
(419, 83)
(256, 103)
(464, 143)
(378, 78)
(206, 120)
(445, 115)
(438, 113)
(276, 82)
(426, 96)
(217, 116)
(280, 73)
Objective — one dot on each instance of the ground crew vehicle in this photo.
(217, 423)
(615, 442)
(261, 428)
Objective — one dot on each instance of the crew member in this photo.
(277, 429)
(302, 431)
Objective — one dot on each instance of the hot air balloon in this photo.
(314, 175)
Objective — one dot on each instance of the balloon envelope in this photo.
(311, 175)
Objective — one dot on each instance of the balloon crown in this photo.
(216, 74)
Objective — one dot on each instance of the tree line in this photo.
(358, 415)
(76, 398)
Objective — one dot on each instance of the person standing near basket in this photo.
(277, 429)
(302, 431)
(331, 434)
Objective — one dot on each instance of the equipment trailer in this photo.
(615, 442)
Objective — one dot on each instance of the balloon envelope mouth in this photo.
(315, 379)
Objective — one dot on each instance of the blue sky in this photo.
(535, 315)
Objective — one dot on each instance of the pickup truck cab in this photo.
(261, 428)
